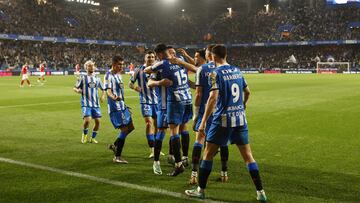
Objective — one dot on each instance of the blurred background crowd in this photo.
(293, 21)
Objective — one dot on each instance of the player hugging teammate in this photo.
(229, 93)
(178, 101)
(221, 96)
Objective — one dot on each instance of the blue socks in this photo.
(85, 131)
(255, 175)
(158, 144)
(151, 140)
(160, 135)
(185, 142)
(94, 133)
(122, 136)
(204, 172)
(175, 143)
(120, 141)
(196, 156)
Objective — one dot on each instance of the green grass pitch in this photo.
(304, 131)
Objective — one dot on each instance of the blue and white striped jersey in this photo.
(162, 91)
(115, 84)
(89, 84)
(147, 95)
(180, 89)
(230, 107)
(202, 79)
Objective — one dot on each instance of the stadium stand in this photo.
(298, 22)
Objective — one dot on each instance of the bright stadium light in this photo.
(85, 2)
(267, 8)
(169, 1)
(115, 9)
(230, 12)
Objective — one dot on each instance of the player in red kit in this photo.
(24, 75)
(42, 72)
(77, 70)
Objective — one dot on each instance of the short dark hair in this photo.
(219, 50)
(160, 48)
(150, 52)
(210, 46)
(116, 59)
(201, 53)
(169, 47)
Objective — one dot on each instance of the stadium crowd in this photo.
(60, 56)
(297, 22)
(305, 22)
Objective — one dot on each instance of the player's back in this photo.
(203, 80)
(147, 95)
(230, 110)
(179, 91)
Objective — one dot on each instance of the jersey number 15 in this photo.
(181, 77)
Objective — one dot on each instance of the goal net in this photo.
(332, 67)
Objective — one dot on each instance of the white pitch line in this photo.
(103, 180)
(51, 103)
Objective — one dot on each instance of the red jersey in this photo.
(42, 68)
(77, 68)
(24, 69)
(131, 67)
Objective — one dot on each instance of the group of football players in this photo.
(221, 95)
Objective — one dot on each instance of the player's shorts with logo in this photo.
(179, 113)
(120, 118)
(223, 135)
(161, 119)
(93, 112)
(148, 110)
(198, 122)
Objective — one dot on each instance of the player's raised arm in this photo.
(188, 66)
(187, 57)
(154, 68)
(162, 82)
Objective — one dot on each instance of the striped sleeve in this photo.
(155, 76)
(134, 76)
(214, 79)
(100, 85)
(198, 76)
(106, 81)
(79, 83)
(157, 66)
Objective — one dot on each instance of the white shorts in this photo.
(25, 77)
(42, 74)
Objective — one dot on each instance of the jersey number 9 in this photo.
(235, 91)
